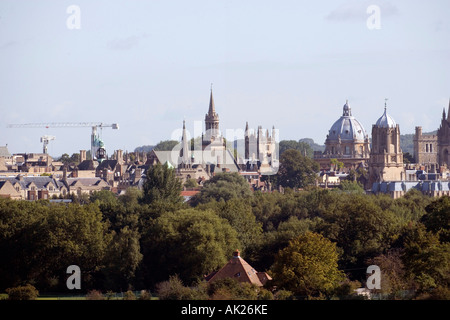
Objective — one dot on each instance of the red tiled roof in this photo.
(237, 268)
(189, 193)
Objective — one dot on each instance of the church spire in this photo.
(185, 147)
(448, 113)
(212, 109)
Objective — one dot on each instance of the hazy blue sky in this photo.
(147, 65)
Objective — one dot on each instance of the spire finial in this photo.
(385, 103)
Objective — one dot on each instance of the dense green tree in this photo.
(437, 218)
(296, 170)
(308, 266)
(161, 186)
(359, 227)
(304, 148)
(165, 145)
(38, 241)
(426, 259)
(223, 187)
(190, 243)
(238, 213)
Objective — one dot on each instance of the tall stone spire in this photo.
(185, 147)
(448, 113)
(212, 108)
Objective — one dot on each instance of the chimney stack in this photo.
(82, 155)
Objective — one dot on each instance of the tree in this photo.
(238, 213)
(359, 227)
(223, 186)
(426, 260)
(303, 147)
(162, 186)
(437, 218)
(165, 145)
(190, 243)
(296, 170)
(338, 165)
(308, 266)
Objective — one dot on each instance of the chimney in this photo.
(82, 155)
(120, 156)
(236, 254)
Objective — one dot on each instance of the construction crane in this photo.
(98, 151)
(45, 140)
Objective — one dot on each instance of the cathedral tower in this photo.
(386, 156)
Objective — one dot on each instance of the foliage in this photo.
(223, 187)
(337, 165)
(173, 289)
(308, 266)
(296, 170)
(303, 147)
(190, 243)
(123, 242)
(437, 218)
(238, 213)
(190, 183)
(162, 186)
(426, 259)
(165, 145)
(26, 292)
(94, 295)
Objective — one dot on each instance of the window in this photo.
(347, 150)
(431, 147)
(426, 147)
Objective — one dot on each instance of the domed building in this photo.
(347, 142)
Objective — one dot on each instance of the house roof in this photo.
(237, 268)
(87, 165)
(84, 181)
(39, 182)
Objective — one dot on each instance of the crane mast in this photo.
(98, 151)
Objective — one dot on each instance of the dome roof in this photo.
(347, 127)
(385, 121)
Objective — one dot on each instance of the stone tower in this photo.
(211, 122)
(386, 156)
(425, 149)
(443, 140)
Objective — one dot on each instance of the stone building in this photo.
(346, 141)
(260, 151)
(426, 150)
(386, 156)
(432, 150)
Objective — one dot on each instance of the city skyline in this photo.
(149, 66)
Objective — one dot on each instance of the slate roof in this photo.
(40, 182)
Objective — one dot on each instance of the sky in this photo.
(149, 65)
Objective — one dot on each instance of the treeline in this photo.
(314, 243)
